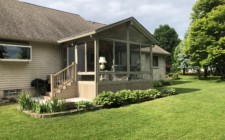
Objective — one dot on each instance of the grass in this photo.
(196, 113)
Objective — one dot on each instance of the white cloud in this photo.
(150, 13)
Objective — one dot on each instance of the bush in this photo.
(55, 105)
(166, 91)
(161, 83)
(107, 99)
(175, 76)
(125, 97)
(25, 101)
(51, 106)
(86, 105)
(151, 94)
(165, 82)
(157, 83)
(39, 107)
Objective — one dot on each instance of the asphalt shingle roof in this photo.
(156, 50)
(24, 21)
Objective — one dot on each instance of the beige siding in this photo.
(46, 59)
(158, 72)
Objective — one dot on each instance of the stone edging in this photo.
(47, 115)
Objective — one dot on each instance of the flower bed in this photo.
(106, 99)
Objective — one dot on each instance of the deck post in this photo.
(73, 71)
(52, 85)
(128, 48)
(96, 47)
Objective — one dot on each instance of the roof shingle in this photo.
(24, 21)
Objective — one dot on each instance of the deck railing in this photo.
(62, 78)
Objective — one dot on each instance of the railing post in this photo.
(73, 71)
(52, 85)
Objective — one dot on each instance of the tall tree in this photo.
(206, 32)
(202, 7)
(180, 59)
(168, 39)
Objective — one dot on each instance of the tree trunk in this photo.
(205, 72)
(199, 74)
(211, 71)
(184, 71)
(222, 73)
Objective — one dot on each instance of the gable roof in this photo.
(24, 21)
(156, 50)
(133, 21)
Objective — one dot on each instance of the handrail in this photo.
(60, 79)
(64, 69)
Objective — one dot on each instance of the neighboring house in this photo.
(159, 61)
(82, 58)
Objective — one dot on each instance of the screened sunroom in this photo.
(110, 58)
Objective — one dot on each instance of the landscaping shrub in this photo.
(126, 97)
(25, 101)
(86, 105)
(39, 107)
(166, 82)
(108, 99)
(55, 105)
(166, 91)
(175, 76)
(157, 83)
(161, 83)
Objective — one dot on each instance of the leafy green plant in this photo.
(161, 83)
(175, 76)
(107, 99)
(166, 91)
(165, 82)
(55, 105)
(39, 107)
(61, 105)
(25, 100)
(157, 83)
(126, 97)
(151, 94)
(86, 105)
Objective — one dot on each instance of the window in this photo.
(120, 56)
(135, 57)
(155, 61)
(81, 57)
(106, 50)
(14, 52)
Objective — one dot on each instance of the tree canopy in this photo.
(206, 37)
(168, 38)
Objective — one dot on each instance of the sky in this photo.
(150, 13)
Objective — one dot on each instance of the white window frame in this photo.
(17, 60)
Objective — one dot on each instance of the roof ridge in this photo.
(24, 2)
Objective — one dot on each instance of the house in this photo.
(81, 58)
(159, 61)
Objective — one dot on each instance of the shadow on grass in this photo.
(186, 90)
(209, 78)
(178, 82)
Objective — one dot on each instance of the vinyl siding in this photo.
(46, 59)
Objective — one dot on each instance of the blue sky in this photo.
(150, 13)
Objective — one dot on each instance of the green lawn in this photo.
(197, 113)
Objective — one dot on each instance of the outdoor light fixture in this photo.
(102, 62)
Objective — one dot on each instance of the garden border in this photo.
(54, 114)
